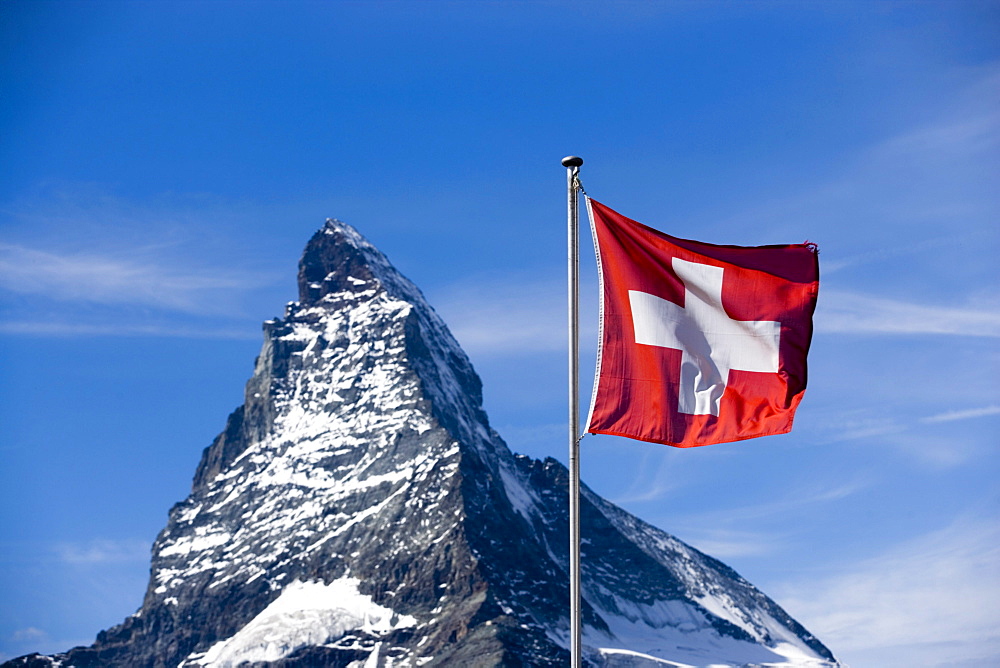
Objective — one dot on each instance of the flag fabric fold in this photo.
(699, 343)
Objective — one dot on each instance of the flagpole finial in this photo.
(572, 161)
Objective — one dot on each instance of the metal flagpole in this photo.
(572, 165)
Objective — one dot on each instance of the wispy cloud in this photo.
(725, 532)
(649, 489)
(854, 313)
(751, 530)
(887, 253)
(911, 436)
(29, 634)
(76, 260)
(84, 329)
(103, 551)
(144, 280)
(968, 414)
(975, 132)
(860, 424)
(929, 602)
(795, 499)
(903, 191)
(506, 314)
(658, 473)
(735, 543)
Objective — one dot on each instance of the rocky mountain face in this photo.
(358, 510)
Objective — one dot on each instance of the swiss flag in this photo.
(700, 343)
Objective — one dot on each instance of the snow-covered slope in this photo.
(358, 510)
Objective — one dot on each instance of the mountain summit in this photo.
(359, 511)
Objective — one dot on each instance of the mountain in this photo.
(358, 511)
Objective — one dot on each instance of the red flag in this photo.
(700, 343)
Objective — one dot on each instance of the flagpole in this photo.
(572, 164)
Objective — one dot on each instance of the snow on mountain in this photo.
(358, 510)
(303, 615)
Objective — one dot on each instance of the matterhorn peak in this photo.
(358, 510)
(338, 258)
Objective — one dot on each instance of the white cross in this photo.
(710, 341)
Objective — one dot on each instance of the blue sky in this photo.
(163, 164)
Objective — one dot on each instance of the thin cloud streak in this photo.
(844, 312)
(116, 280)
(731, 544)
(103, 551)
(904, 434)
(852, 425)
(497, 315)
(80, 329)
(882, 254)
(794, 500)
(969, 414)
(653, 480)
